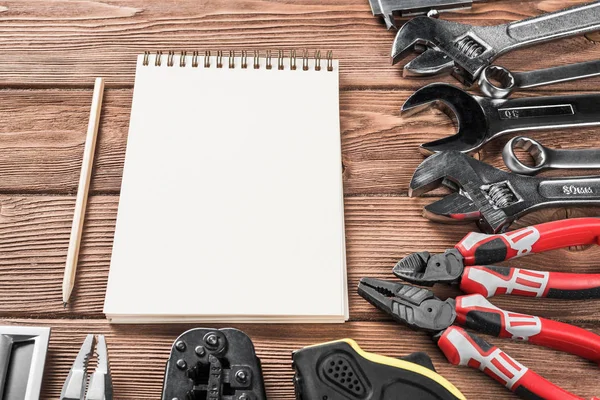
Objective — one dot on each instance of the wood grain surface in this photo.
(53, 49)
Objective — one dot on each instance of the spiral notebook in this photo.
(231, 206)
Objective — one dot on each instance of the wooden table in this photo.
(52, 49)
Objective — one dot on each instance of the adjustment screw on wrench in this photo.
(546, 158)
(509, 81)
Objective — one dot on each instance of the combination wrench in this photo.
(510, 81)
(545, 158)
(481, 119)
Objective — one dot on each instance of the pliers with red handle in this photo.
(420, 309)
(467, 263)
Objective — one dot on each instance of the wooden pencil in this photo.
(82, 192)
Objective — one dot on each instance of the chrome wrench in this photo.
(480, 119)
(466, 50)
(546, 158)
(511, 81)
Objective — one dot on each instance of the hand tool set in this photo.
(216, 364)
(221, 364)
(99, 386)
(493, 198)
(341, 370)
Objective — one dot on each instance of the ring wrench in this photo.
(480, 119)
(546, 158)
(465, 50)
(511, 81)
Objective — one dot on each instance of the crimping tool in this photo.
(215, 364)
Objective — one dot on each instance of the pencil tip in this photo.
(64, 304)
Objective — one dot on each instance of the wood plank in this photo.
(56, 43)
(41, 153)
(34, 234)
(138, 356)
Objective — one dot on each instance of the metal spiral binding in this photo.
(219, 59)
(207, 59)
(317, 60)
(244, 59)
(231, 59)
(170, 57)
(269, 65)
(256, 59)
(293, 60)
(280, 60)
(305, 61)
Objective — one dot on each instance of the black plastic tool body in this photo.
(213, 364)
(336, 371)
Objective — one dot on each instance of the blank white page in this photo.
(231, 202)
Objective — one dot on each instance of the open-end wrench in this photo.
(491, 197)
(546, 158)
(511, 81)
(466, 50)
(481, 119)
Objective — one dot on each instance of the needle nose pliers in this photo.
(467, 264)
(420, 309)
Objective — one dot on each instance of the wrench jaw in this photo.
(452, 209)
(464, 110)
(430, 62)
(424, 33)
(451, 47)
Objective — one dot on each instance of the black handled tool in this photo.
(341, 370)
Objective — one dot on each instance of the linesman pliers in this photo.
(467, 264)
(420, 309)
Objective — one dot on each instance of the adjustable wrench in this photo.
(466, 50)
(546, 158)
(481, 119)
(509, 81)
(491, 197)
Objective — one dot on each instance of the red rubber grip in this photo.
(475, 312)
(491, 281)
(481, 249)
(462, 348)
